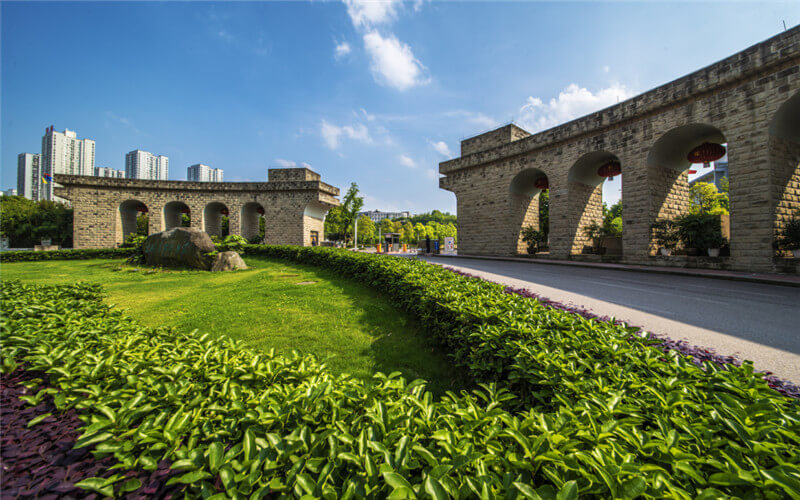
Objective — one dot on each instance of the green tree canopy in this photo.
(706, 199)
(25, 223)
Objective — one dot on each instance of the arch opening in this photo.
(594, 204)
(215, 219)
(529, 203)
(784, 159)
(177, 214)
(678, 186)
(253, 222)
(131, 219)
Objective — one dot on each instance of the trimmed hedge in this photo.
(69, 254)
(575, 406)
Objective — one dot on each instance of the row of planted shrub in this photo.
(67, 254)
(597, 412)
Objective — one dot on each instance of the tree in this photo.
(333, 224)
(351, 205)
(366, 230)
(407, 233)
(142, 224)
(419, 231)
(706, 199)
(612, 219)
(25, 223)
(544, 213)
(387, 226)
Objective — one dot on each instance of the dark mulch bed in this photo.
(40, 463)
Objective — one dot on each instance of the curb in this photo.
(642, 269)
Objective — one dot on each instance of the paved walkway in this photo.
(755, 321)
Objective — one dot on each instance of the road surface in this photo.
(752, 321)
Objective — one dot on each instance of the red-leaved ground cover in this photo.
(40, 462)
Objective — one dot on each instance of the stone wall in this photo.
(102, 205)
(738, 97)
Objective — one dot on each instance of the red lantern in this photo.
(541, 183)
(260, 211)
(224, 211)
(185, 210)
(141, 208)
(706, 153)
(610, 169)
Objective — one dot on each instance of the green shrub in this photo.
(571, 406)
(665, 232)
(234, 243)
(534, 238)
(700, 231)
(790, 237)
(89, 253)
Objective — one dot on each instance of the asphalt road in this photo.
(749, 320)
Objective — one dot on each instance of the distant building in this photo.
(377, 215)
(64, 153)
(203, 173)
(109, 172)
(143, 165)
(29, 176)
(10, 192)
(715, 176)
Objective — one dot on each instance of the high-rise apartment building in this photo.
(64, 153)
(29, 176)
(143, 165)
(108, 172)
(203, 173)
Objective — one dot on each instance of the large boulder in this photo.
(179, 247)
(228, 261)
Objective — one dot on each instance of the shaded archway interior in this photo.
(212, 218)
(524, 203)
(784, 156)
(585, 196)
(251, 215)
(127, 213)
(173, 214)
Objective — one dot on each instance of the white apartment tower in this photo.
(29, 176)
(143, 165)
(108, 172)
(203, 173)
(64, 153)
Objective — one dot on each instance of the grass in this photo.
(348, 325)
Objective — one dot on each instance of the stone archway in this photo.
(784, 157)
(525, 190)
(173, 214)
(126, 220)
(668, 170)
(585, 198)
(252, 215)
(212, 218)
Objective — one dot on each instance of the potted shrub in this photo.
(595, 232)
(665, 232)
(790, 239)
(700, 232)
(535, 239)
(713, 242)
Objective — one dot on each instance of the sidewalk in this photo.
(765, 278)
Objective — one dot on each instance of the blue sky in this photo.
(373, 92)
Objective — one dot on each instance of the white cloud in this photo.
(572, 102)
(280, 162)
(333, 134)
(367, 13)
(305, 165)
(606, 69)
(407, 161)
(392, 62)
(341, 50)
(441, 148)
(432, 173)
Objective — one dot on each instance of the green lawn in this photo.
(347, 324)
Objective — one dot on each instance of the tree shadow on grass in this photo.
(400, 342)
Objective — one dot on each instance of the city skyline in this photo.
(376, 96)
